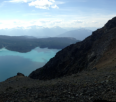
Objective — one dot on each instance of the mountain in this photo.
(79, 34)
(97, 51)
(33, 31)
(51, 32)
(27, 43)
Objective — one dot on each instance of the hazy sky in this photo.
(50, 13)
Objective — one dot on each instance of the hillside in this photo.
(79, 34)
(27, 43)
(92, 52)
(86, 86)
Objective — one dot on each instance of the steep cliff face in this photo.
(83, 55)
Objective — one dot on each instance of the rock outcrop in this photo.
(84, 55)
(20, 74)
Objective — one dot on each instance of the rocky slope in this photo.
(84, 55)
(86, 86)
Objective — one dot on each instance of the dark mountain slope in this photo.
(83, 55)
(108, 59)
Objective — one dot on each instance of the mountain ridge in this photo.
(79, 34)
(27, 43)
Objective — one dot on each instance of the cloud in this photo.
(55, 6)
(43, 4)
(59, 2)
(77, 21)
(74, 21)
(17, 1)
(95, 22)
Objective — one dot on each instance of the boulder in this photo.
(20, 74)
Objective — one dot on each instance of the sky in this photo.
(51, 13)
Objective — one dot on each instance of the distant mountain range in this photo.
(97, 51)
(33, 31)
(27, 43)
(79, 34)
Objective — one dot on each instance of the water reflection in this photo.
(12, 62)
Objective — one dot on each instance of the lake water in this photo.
(12, 62)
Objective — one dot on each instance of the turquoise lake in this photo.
(12, 62)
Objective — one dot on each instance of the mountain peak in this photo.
(111, 23)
